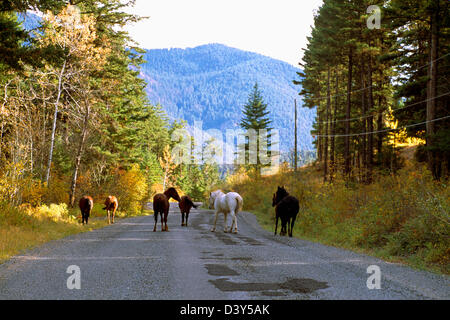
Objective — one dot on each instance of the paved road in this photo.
(129, 261)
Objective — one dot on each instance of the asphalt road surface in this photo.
(129, 261)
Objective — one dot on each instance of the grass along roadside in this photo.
(402, 218)
(25, 228)
(415, 261)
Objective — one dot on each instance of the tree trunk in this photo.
(364, 113)
(319, 138)
(52, 141)
(380, 134)
(325, 156)
(369, 154)
(78, 157)
(431, 94)
(347, 116)
(333, 132)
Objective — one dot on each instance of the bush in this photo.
(131, 189)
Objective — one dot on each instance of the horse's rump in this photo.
(86, 204)
(160, 203)
(186, 204)
(240, 203)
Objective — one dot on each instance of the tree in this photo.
(256, 123)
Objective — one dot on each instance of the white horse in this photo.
(230, 203)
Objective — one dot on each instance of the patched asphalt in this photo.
(128, 260)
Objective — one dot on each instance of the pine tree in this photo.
(255, 118)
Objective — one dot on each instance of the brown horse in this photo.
(111, 205)
(86, 204)
(185, 207)
(161, 206)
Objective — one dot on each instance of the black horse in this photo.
(286, 208)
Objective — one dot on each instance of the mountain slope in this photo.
(211, 83)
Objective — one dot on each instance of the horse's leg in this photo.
(215, 221)
(292, 226)
(187, 217)
(225, 222)
(235, 223)
(276, 224)
(165, 220)
(162, 220)
(109, 219)
(232, 220)
(182, 219)
(113, 214)
(155, 213)
(283, 227)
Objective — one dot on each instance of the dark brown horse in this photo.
(111, 205)
(286, 208)
(86, 204)
(185, 205)
(161, 206)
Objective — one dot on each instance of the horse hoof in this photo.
(213, 230)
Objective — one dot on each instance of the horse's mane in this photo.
(282, 192)
(172, 192)
(217, 193)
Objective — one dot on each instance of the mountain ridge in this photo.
(211, 83)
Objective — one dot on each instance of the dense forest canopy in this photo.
(74, 116)
(378, 77)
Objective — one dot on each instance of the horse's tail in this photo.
(240, 203)
(191, 203)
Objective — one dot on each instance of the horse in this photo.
(185, 206)
(111, 205)
(226, 203)
(86, 204)
(286, 208)
(161, 205)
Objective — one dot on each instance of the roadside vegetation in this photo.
(75, 120)
(399, 218)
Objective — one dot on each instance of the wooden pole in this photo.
(295, 133)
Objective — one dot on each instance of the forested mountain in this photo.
(211, 83)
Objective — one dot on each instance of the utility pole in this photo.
(295, 133)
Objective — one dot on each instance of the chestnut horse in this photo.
(185, 207)
(161, 206)
(86, 204)
(286, 208)
(111, 205)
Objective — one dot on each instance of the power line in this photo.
(374, 114)
(365, 88)
(380, 131)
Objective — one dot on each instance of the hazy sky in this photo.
(275, 28)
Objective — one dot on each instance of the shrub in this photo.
(131, 189)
